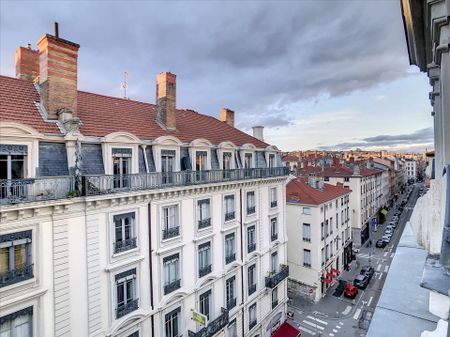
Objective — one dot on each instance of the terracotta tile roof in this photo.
(101, 115)
(298, 191)
(333, 171)
(17, 99)
(290, 158)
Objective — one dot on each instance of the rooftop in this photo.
(299, 192)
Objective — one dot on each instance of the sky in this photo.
(316, 74)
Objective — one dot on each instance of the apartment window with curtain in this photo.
(273, 197)
(124, 232)
(274, 297)
(204, 213)
(273, 229)
(172, 322)
(251, 239)
(230, 248)
(171, 227)
(121, 167)
(307, 232)
(271, 160)
(251, 279)
(232, 329)
(307, 258)
(171, 267)
(204, 259)
(248, 160)
(126, 300)
(274, 263)
(229, 207)
(205, 303)
(167, 166)
(251, 204)
(230, 290)
(17, 324)
(201, 165)
(252, 316)
(16, 260)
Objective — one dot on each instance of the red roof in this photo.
(17, 104)
(101, 115)
(286, 330)
(290, 158)
(298, 191)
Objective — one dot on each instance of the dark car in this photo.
(381, 243)
(367, 270)
(340, 288)
(361, 281)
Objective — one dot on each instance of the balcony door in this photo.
(167, 166)
(121, 167)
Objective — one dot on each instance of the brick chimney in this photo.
(227, 116)
(166, 100)
(27, 63)
(58, 76)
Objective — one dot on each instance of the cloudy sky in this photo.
(316, 74)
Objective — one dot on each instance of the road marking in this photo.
(392, 255)
(341, 323)
(379, 267)
(335, 331)
(314, 325)
(356, 315)
(338, 326)
(331, 334)
(302, 328)
(381, 275)
(386, 269)
(318, 320)
(347, 310)
(370, 301)
(385, 254)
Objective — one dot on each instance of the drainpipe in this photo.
(445, 247)
(150, 265)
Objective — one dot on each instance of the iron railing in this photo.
(16, 275)
(213, 327)
(252, 324)
(204, 271)
(251, 289)
(172, 286)
(274, 236)
(125, 309)
(251, 247)
(273, 204)
(230, 258)
(124, 245)
(229, 216)
(274, 304)
(204, 223)
(170, 232)
(231, 303)
(14, 191)
(251, 210)
(275, 278)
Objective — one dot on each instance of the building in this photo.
(123, 218)
(318, 227)
(412, 170)
(290, 161)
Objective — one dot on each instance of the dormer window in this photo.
(167, 165)
(248, 160)
(201, 161)
(271, 160)
(121, 167)
(13, 161)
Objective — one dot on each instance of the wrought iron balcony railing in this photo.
(252, 324)
(251, 247)
(230, 258)
(172, 286)
(204, 271)
(229, 216)
(231, 303)
(204, 223)
(125, 309)
(124, 245)
(171, 232)
(251, 210)
(274, 236)
(213, 327)
(16, 191)
(16, 275)
(251, 289)
(273, 204)
(275, 278)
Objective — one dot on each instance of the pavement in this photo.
(342, 317)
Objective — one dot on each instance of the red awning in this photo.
(337, 272)
(327, 280)
(331, 275)
(286, 330)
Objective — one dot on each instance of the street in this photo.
(336, 316)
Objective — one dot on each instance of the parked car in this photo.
(381, 243)
(350, 291)
(367, 270)
(340, 288)
(387, 237)
(361, 281)
(389, 228)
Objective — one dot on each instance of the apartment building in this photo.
(318, 221)
(412, 170)
(123, 218)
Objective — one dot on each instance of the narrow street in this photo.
(342, 317)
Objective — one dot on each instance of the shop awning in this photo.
(327, 280)
(331, 275)
(384, 212)
(286, 330)
(337, 272)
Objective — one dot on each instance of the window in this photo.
(274, 262)
(337, 220)
(323, 256)
(121, 167)
(326, 229)
(322, 230)
(172, 323)
(337, 203)
(205, 303)
(342, 217)
(346, 179)
(124, 232)
(230, 290)
(251, 279)
(201, 160)
(331, 225)
(273, 197)
(251, 239)
(12, 163)
(167, 166)
(229, 207)
(307, 258)
(203, 213)
(251, 208)
(307, 232)
(17, 324)
(172, 280)
(248, 158)
(204, 259)
(307, 210)
(337, 244)
(16, 262)
(252, 316)
(171, 227)
(326, 179)
(271, 160)
(274, 297)
(232, 329)
(126, 300)
(230, 251)
(226, 160)
(326, 253)
(273, 229)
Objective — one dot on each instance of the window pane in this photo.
(17, 167)
(4, 260)
(20, 256)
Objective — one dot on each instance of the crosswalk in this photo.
(316, 326)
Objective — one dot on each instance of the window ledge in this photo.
(203, 235)
(434, 277)
(134, 259)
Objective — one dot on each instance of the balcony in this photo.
(204, 223)
(204, 271)
(213, 327)
(251, 289)
(275, 278)
(229, 216)
(124, 245)
(37, 189)
(231, 303)
(251, 247)
(252, 324)
(273, 204)
(308, 239)
(172, 286)
(251, 210)
(127, 308)
(230, 258)
(170, 232)
(19, 274)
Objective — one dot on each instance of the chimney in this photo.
(27, 63)
(227, 116)
(166, 100)
(258, 132)
(58, 76)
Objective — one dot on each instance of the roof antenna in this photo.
(124, 84)
(55, 26)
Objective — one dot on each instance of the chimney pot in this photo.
(166, 96)
(258, 132)
(227, 116)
